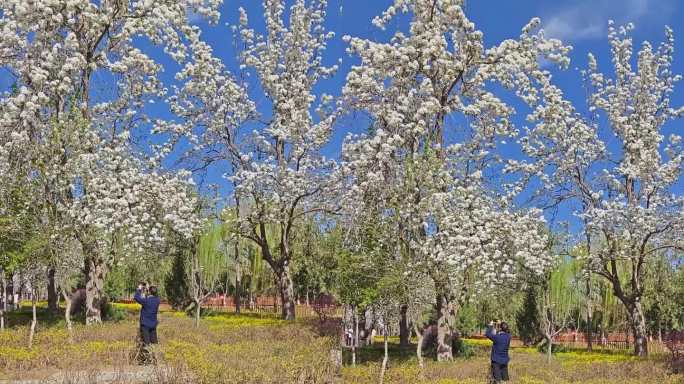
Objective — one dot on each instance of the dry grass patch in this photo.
(225, 348)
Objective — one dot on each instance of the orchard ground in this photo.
(259, 348)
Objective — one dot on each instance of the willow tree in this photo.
(560, 300)
(208, 260)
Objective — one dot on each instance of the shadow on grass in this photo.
(23, 316)
(243, 314)
(375, 352)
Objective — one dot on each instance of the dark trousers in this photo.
(149, 334)
(499, 372)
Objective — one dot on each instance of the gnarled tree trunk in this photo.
(286, 287)
(419, 347)
(638, 325)
(445, 329)
(96, 270)
(67, 314)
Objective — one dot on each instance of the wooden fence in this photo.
(614, 341)
(323, 305)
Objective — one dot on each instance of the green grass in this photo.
(260, 348)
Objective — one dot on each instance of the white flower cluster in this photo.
(117, 196)
(622, 172)
(408, 171)
(484, 243)
(72, 141)
(276, 167)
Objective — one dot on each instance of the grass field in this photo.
(228, 348)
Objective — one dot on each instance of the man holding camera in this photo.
(500, 358)
(148, 312)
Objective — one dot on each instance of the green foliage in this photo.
(116, 284)
(355, 279)
(467, 322)
(463, 349)
(176, 282)
(527, 318)
(113, 313)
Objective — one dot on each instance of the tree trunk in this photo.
(95, 298)
(549, 347)
(286, 288)
(198, 309)
(308, 303)
(34, 318)
(67, 315)
(238, 272)
(52, 291)
(404, 332)
(355, 339)
(16, 290)
(419, 347)
(386, 358)
(444, 328)
(660, 332)
(368, 326)
(638, 323)
(590, 331)
(238, 278)
(3, 297)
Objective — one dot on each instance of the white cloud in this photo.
(588, 19)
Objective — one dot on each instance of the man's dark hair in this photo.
(503, 326)
(153, 290)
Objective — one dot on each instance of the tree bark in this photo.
(419, 347)
(16, 290)
(404, 332)
(95, 299)
(589, 315)
(286, 287)
(3, 297)
(638, 323)
(444, 328)
(52, 291)
(34, 318)
(198, 308)
(355, 339)
(368, 326)
(67, 314)
(238, 278)
(386, 357)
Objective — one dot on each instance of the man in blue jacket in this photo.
(148, 313)
(500, 358)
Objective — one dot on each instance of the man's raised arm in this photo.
(138, 296)
(490, 331)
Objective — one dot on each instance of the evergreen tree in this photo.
(176, 283)
(527, 318)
